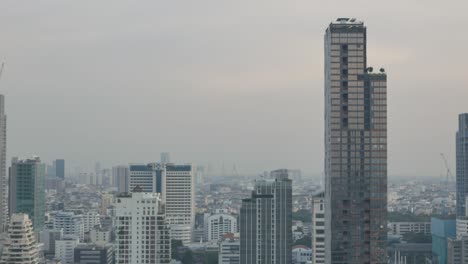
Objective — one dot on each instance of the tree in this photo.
(304, 241)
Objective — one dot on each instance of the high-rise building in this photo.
(20, 246)
(142, 234)
(120, 176)
(229, 250)
(91, 220)
(3, 175)
(318, 228)
(65, 248)
(92, 253)
(218, 224)
(71, 224)
(176, 185)
(266, 222)
(165, 157)
(355, 149)
(462, 163)
(442, 229)
(47, 238)
(27, 190)
(60, 168)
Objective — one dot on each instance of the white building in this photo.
(48, 237)
(318, 229)
(176, 185)
(229, 251)
(100, 236)
(301, 255)
(65, 248)
(142, 235)
(70, 223)
(218, 224)
(401, 228)
(90, 221)
(20, 246)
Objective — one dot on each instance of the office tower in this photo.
(60, 168)
(165, 157)
(218, 224)
(27, 190)
(229, 250)
(442, 230)
(355, 149)
(92, 253)
(266, 221)
(462, 163)
(65, 248)
(48, 237)
(3, 175)
(20, 246)
(71, 224)
(176, 185)
(142, 234)
(91, 220)
(318, 228)
(120, 176)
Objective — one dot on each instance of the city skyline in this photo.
(228, 68)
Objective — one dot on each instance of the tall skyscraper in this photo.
(20, 246)
(266, 222)
(355, 149)
(462, 163)
(120, 178)
(175, 183)
(165, 157)
(142, 234)
(27, 189)
(3, 175)
(60, 168)
(318, 228)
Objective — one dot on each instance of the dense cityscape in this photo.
(167, 211)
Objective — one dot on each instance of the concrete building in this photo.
(60, 168)
(94, 254)
(462, 163)
(90, 221)
(65, 248)
(176, 185)
(266, 221)
(442, 230)
(301, 255)
(229, 251)
(27, 189)
(165, 157)
(20, 246)
(355, 149)
(141, 229)
(71, 224)
(48, 238)
(318, 228)
(218, 224)
(100, 236)
(401, 228)
(106, 201)
(3, 174)
(120, 177)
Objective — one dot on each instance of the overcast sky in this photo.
(212, 81)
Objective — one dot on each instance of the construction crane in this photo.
(449, 175)
(1, 69)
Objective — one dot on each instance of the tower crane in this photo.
(449, 175)
(1, 69)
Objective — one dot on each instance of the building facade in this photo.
(401, 228)
(93, 254)
(442, 230)
(65, 249)
(142, 234)
(120, 178)
(301, 255)
(20, 246)
(318, 228)
(27, 190)
(266, 221)
(71, 224)
(229, 251)
(3, 174)
(60, 168)
(462, 163)
(218, 224)
(355, 149)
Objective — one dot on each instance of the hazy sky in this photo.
(212, 81)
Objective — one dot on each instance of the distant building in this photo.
(462, 163)
(318, 229)
(120, 177)
(142, 234)
(60, 168)
(71, 224)
(48, 238)
(106, 202)
(401, 228)
(218, 224)
(410, 253)
(91, 220)
(229, 251)
(100, 236)
(3, 167)
(92, 253)
(165, 157)
(266, 221)
(301, 255)
(442, 229)
(20, 246)
(27, 189)
(65, 248)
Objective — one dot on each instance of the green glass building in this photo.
(27, 189)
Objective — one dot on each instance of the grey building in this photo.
(266, 222)
(3, 175)
(60, 168)
(120, 177)
(355, 149)
(94, 254)
(462, 163)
